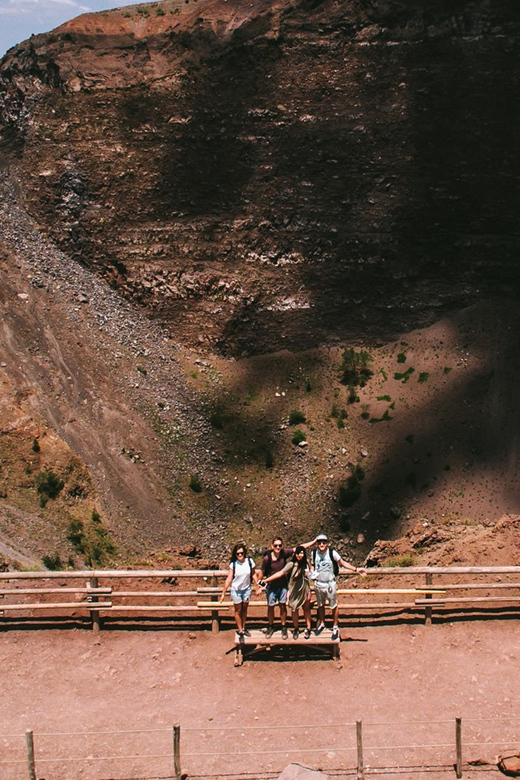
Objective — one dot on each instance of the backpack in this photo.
(335, 565)
(268, 566)
(251, 568)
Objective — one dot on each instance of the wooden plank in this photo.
(88, 605)
(113, 574)
(380, 605)
(259, 638)
(482, 586)
(158, 593)
(347, 605)
(36, 591)
(376, 591)
(156, 608)
(467, 600)
(208, 573)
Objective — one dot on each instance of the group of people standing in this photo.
(286, 574)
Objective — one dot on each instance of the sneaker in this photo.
(269, 632)
(247, 632)
(295, 633)
(284, 632)
(335, 634)
(319, 629)
(307, 633)
(241, 637)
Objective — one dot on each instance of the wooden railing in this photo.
(99, 594)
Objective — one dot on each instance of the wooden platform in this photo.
(258, 641)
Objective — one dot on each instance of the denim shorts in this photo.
(240, 595)
(276, 596)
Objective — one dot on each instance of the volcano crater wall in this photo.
(277, 176)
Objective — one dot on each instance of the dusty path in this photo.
(416, 677)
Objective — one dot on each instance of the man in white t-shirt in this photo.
(326, 566)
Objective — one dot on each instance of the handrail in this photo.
(201, 573)
(103, 598)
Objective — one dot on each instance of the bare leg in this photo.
(307, 614)
(238, 617)
(283, 614)
(321, 615)
(244, 606)
(335, 615)
(270, 615)
(295, 619)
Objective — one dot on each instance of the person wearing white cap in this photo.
(327, 563)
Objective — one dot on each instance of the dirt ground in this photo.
(407, 682)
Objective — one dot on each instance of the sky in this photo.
(19, 19)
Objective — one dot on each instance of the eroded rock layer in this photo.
(261, 176)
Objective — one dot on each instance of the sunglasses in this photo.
(277, 545)
(322, 541)
(241, 552)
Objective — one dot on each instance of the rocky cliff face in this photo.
(277, 175)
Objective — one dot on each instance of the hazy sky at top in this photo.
(19, 19)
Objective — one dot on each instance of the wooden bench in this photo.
(259, 641)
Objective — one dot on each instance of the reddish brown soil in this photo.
(406, 682)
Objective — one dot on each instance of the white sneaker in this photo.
(335, 634)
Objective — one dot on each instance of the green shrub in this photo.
(423, 377)
(410, 438)
(351, 492)
(298, 436)
(35, 445)
(52, 562)
(405, 376)
(355, 367)
(217, 420)
(195, 484)
(76, 536)
(385, 417)
(49, 485)
(400, 560)
(352, 397)
(401, 358)
(93, 542)
(142, 370)
(411, 479)
(296, 417)
(160, 12)
(347, 496)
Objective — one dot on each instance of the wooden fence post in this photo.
(94, 614)
(215, 620)
(359, 743)
(428, 610)
(29, 741)
(177, 752)
(458, 744)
